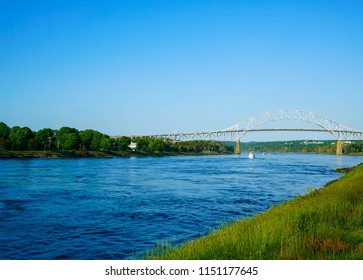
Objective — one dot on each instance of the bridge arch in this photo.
(330, 126)
(253, 123)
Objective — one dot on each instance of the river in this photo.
(118, 208)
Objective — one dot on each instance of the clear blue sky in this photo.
(136, 67)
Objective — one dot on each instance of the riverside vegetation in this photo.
(324, 224)
(69, 142)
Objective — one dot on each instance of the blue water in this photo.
(118, 208)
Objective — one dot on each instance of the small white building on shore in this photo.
(133, 146)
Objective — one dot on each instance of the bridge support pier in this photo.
(238, 147)
(339, 147)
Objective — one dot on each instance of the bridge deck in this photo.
(238, 133)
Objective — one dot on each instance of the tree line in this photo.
(67, 139)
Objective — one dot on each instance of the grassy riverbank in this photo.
(324, 224)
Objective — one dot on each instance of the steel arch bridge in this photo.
(254, 123)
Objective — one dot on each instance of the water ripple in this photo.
(119, 208)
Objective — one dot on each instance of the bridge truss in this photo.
(254, 123)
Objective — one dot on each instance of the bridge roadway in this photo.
(238, 133)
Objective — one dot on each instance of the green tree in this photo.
(44, 139)
(4, 136)
(86, 137)
(142, 144)
(157, 145)
(123, 143)
(96, 141)
(71, 141)
(68, 138)
(21, 139)
(106, 143)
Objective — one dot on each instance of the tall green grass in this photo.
(323, 224)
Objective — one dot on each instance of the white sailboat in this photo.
(251, 155)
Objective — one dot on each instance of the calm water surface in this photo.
(120, 207)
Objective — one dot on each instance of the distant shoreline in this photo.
(91, 154)
(113, 154)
